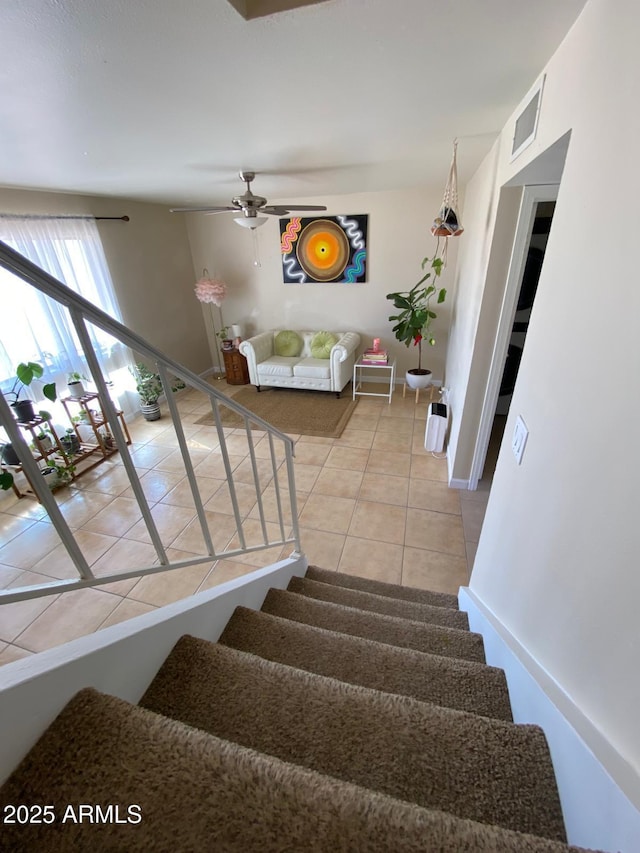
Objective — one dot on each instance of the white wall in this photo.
(557, 561)
(398, 240)
(150, 263)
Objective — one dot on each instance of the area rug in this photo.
(292, 410)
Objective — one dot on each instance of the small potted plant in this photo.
(57, 473)
(149, 387)
(74, 384)
(225, 340)
(413, 322)
(70, 442)
(25, 374)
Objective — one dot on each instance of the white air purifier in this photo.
(436, 429)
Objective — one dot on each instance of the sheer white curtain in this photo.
(36, 328)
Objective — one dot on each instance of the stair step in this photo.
(380, 603)
(198, 792)
(420, 636)
(421, 751)
(393, 590)
(351, 659)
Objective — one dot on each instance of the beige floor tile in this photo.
(24, 550)
(433, 570)
(204, 438)
(166, 437)
(364, 420)
(378, 521)
(221, 526)
(389, 462)
(181, 494)
(82, 506)
(305, 476)
(125, 555)
(174, 461)
(113, 482)
(270, 506)
(116, 518)
(12, 526)
(340, 484)
(24, 508)
(148, 455)
(432, 494)
(213, 466)
(480, 494)
(254, 536)
(127, 609)
(311, 454)
(435, 531)
(243, 473)
(12, 653)
(356, 438)
(316, 439)
(58, 563)
(262, 448)
(165, 587)
(322, 548)
(15, 618)
(70, 616)
(246, 497)
(348, 458)
(384, 488)
(379, 561)
(395, 426)
(170, 521)
(399, 410)
(472, 518)
(324, 512)
(393, 441)
(225, 570)
(156, 484)
(8, 574)
(426, 467)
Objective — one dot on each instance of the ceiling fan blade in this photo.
(306, 207)
(201, 209)
(275, 211)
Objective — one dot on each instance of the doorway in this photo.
(532, 233)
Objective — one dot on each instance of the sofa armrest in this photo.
(347, 344)
(255, 350)
(342, 356)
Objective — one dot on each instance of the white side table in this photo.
(358, 367)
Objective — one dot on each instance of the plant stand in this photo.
(103, 446)
(42, 453)
(418, 390)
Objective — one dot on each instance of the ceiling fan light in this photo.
(251, 221)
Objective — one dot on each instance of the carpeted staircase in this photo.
(346, 715)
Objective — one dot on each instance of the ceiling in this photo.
(163, 101)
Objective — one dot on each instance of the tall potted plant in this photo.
(149, 387)
(413, 322)
(25, 374)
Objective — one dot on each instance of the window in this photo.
(39, 328)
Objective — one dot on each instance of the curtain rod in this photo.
(46, 216)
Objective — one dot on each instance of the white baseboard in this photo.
(456, 483)
(598, 788)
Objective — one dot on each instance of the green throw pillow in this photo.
(322, 344)
(288, 344)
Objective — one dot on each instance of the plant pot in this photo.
(70, 444)
(76, 389)
(9, 456)
(418, 378)
(150, 411)
(45, 443)
(51, 477)
(24, 411)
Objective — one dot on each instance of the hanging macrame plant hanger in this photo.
(447, 222)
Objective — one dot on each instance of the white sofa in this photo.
(302, 371)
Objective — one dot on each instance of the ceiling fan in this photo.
(249, 205)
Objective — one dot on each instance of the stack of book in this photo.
(375, 356)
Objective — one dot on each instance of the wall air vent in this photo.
(527, 122)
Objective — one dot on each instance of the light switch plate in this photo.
(519, 441)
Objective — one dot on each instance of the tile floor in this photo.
(372, 502)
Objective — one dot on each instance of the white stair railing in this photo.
(82, 313)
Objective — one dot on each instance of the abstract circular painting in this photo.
(322, 249)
